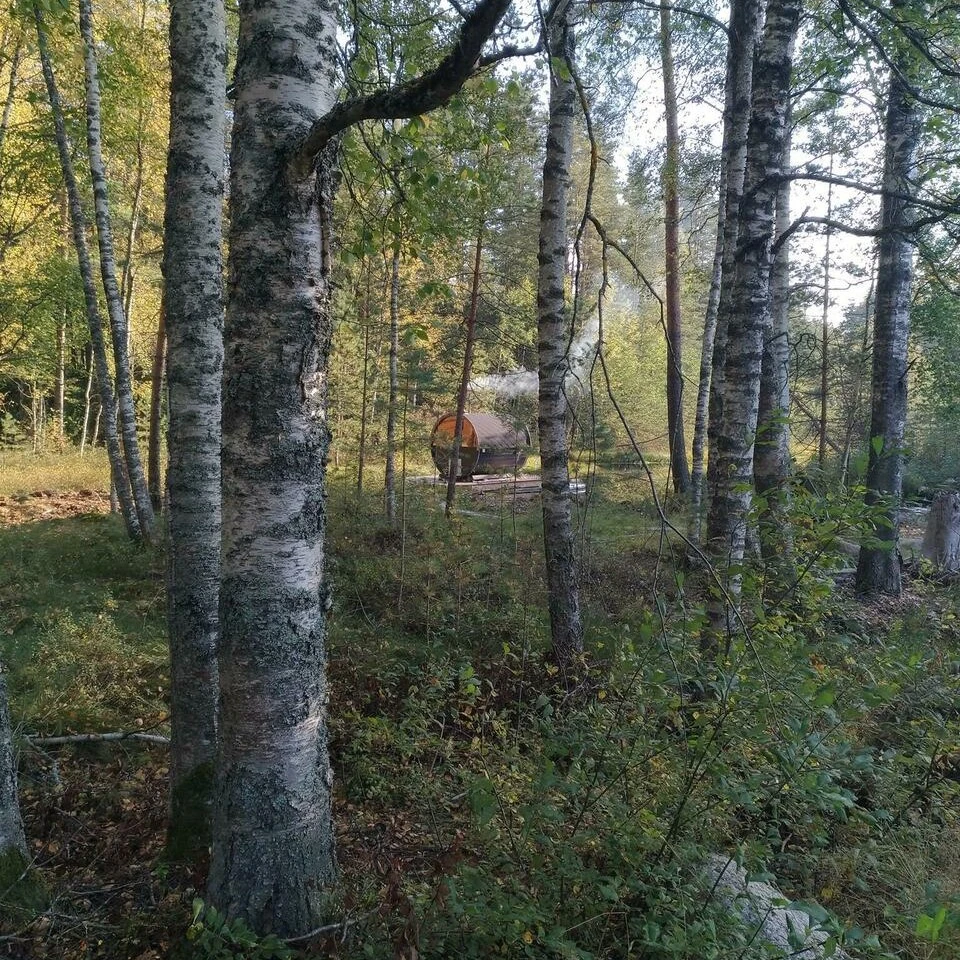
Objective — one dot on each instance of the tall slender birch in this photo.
(771, 461)
(390, 473)
(730, 473)
(13, 844)
(108, 272)
(563, 595)
(671, 199)
(273, 847)
(878, 566)
(742, 39)
(98, 346)
(193, 314)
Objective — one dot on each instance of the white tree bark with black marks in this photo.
(11, 90)
(273, 845)
(78, 223)
(563, 593)
(192, 321)
(878, 567)
(771, 462)
(742, 40)
(108, 274)
(13, 844)
(730, 473)
(390, 483)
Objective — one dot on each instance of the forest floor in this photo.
(480, 812)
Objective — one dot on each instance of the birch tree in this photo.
(563, 598)
(730, 474)
(193, 313)
(108, 273)
(273, 848)
(741, 41)
(78, 223)
(878, 566)
(390, 472)
(13, 844)
(771, 464)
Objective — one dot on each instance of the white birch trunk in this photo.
(771, 465)
(273, 845)
(78, 224)
(735, 425)
(878, 566)
(108, 273)
(744, 25)
(13, 844)
(563, 595)
(192, 321)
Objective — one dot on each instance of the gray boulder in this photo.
(765, 910)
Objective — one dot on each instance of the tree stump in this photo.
(941, 541)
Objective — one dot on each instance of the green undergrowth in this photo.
(485, 811)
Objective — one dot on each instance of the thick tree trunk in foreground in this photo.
(730, 473)
(563, 593)
(744, 24)
(771, 460)
(671, 200)
(941, 540)
(13, 845)
(108, 273)
(273, 844)
(98, 345)
(453, 467)
(390, 483)
(878, 568)
(193, 310)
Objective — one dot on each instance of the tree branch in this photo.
(411, 99)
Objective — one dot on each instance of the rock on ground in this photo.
(764, 909)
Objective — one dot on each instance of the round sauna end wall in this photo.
(489, 445)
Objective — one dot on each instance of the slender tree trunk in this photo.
(273, 843)
(730, 473)
(13, 844)
(878, 567)
(671, 199)
(11, 92)
(157, 377)
(86, 404)
(744, 25)
(108, 273)
(362, 445)
(771, 464)
(389, 485)
(825, 331)
(62, 332)
(563, 592)
(192, 323)
(97, 340)
(453, 468)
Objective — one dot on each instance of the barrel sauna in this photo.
(489, 445)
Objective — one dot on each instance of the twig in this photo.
(98, 738)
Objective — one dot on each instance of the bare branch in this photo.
(411, 99)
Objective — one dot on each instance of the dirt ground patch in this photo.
(49, 505)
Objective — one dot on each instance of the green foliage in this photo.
(213, 936)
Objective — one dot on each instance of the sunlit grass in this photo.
(25, 472)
